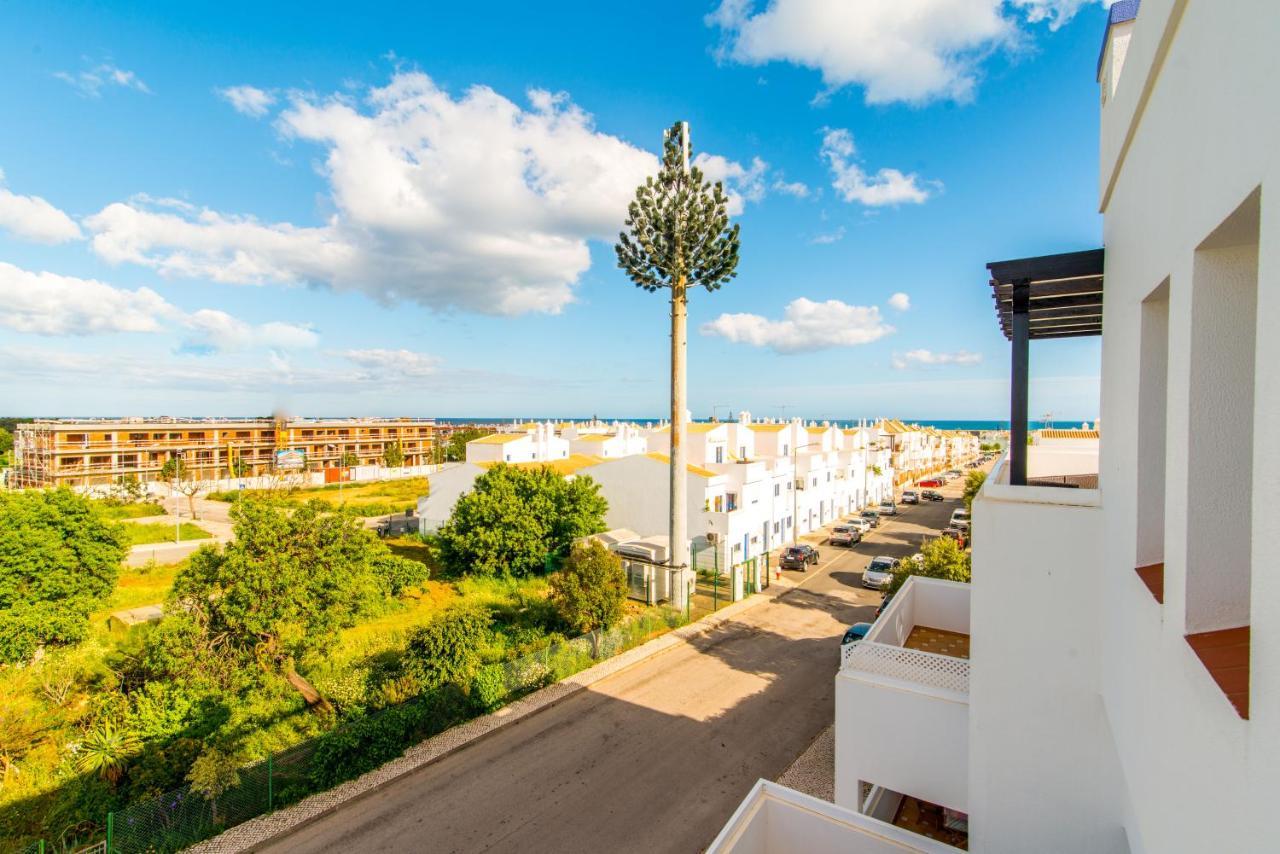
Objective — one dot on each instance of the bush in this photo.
(591, 589)
(447, 649)
(489, 687)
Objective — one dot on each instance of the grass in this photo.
(130, 511)
(135, 587)
(146, 533)
(380, 498)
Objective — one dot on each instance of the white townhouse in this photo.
(527, 443)
(601, 440)
(1108, 682)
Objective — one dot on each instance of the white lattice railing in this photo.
(910, 665)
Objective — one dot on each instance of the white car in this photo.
(888, 508)
(859, 524)
(958, 516)
(878, 573)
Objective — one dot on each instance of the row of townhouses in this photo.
(1108, 682)
(753, 486)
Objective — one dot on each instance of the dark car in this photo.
(884, 603)
(872, 517)
(797, 557)
(855, 633)
(930, 495)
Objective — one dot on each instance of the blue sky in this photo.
(228, 208)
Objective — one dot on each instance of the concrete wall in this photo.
(1190, 136)
(1043, 772)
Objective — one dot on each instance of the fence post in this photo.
(111, 821)
(271, 783)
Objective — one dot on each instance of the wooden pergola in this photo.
(1051, 296)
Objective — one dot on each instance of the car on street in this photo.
(888, 508)
(872, 518)
(855, 633)
(884, 603)
(844, 535)
(862, 526)
(930, 495)
(878, 573)
(798, 557)
(931, 482)
(960, 518)
(955, 473)
(910, 496)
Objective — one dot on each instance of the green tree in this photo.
(972, 486)
(288, 582)
(349, 459)
(678, 238)
(590, 590)
(943, 558)
(513, 517)
(59, 559)
(393, 456)
(447, 649)
(6, 441)
(455, 448)
(212, 774)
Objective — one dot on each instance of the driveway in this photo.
(654, 758)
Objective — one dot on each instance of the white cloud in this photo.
(213, 330)
(470, 202)
(806, 326)
(791, 188)
(248, 100)
(90, 82)
(900, 301)
(51, 304)
(405, 363)
(885, 187)
(33, 218)
(742, 184)
(930, 359)
(829, 237)
(915, 51)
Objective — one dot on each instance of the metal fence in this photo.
(179, 818)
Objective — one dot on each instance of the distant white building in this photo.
(532, 443)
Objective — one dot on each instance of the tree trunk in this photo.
(307, 690)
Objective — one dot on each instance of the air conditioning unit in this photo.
(799, 483)
(713, 537)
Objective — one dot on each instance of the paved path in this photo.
(654, 758)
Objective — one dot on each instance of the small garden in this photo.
(306, 640)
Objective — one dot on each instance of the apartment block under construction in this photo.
(90, 452)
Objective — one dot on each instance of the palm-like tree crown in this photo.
(678, 230)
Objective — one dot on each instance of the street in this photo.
(654, 758)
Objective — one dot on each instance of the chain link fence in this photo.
(180, 818)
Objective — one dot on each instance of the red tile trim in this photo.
(1225, 654)
(1153, 577)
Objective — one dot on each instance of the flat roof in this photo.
(1065, 293)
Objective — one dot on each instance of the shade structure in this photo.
(1050, 296)
(1063, 293)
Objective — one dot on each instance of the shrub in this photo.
(447, 649)
(591, 589)
(489, 687)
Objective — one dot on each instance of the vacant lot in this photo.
(130, 511)
(381, 498)
(146, 533)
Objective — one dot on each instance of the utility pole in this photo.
(679, 521)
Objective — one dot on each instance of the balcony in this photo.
(902, 699)
(773, 819)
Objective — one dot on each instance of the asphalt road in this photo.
(654, 758)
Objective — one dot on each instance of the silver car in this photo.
(878, 573)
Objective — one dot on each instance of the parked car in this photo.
(955, 534)
(872, 518)
(910, 496)
(888, 508)
(960, 515)
(884, 603)
(955, 473)
(844, 535)
(859, 524)
(930, 495)
(878, 572)
(797, 557)
(933, 481)
(855, 633)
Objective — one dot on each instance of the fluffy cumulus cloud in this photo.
(806, 326)
(91, 82)
(795, 189)
(33, 218)
(915, 51)
(900, 301)
(853, 184)
(44, 303)
(930, 359)
(471, 202)
(742, 184)
(248, 100)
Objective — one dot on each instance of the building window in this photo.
(788, 486)
(733, 501)
(828, 477)
(719, 453)
(777, 490)
(786, 449)
(1153, 381)
(719, 504)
